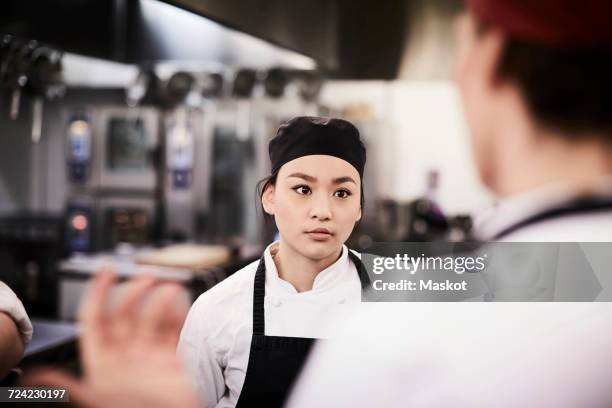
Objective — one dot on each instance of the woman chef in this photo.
(246, 339)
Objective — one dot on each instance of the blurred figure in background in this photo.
(15, 330)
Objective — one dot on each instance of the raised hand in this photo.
(128, 352)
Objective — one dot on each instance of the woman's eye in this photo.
(342, 193)
(303, 190)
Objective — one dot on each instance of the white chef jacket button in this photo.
(276, 303)
(342, 301)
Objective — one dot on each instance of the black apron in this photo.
(578, 206)
(275, 362)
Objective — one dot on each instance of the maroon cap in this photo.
(557, 23)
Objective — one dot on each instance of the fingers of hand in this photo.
(144, 313)
(175, 318)
(125, 315)
(163, 315)
(93, 313)
(47, 377)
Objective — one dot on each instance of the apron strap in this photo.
(259, 290)
(361, 271)
(259, 293)
(582, 205)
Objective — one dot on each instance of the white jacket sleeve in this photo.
(11, 305)
(198, 353)
(464, 355)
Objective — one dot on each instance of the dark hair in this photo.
(567, 89)
(261, 187)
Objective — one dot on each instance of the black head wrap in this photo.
(308, 135)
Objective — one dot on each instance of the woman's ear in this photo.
(359, 215)
(267, 199)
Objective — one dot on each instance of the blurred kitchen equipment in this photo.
(45, 81)
(178, 88)
(244, 82)
(212, 85)
(26, 65)
(125, 145)
(188, 256)
(275, 82)
(429, 223)
(114, 180)
(181, 126)
(95, 222)
(79, 147)
(127, 225)
(30, 246)
(309, 84)
(79, 226)
(15, 69)
(179, 149)
(197, 267)
(146, 88)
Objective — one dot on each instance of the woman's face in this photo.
(315, 203)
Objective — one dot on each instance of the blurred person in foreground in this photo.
(535, 78)
(537, 93)
(127, 349)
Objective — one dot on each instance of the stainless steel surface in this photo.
(37, 118)
(103, 174)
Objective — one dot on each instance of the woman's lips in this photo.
(319, 234)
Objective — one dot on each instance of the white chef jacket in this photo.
(475, 354)
(216, 337)
(578, 227)
(463, 355)
(11, 305)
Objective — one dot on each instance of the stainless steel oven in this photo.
(125, 147)
(116, 199)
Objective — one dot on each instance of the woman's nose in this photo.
(321, 207)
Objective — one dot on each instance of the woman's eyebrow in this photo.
(312, 179)
(341, 180)
(303, 176)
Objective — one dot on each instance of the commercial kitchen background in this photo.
(155, 122)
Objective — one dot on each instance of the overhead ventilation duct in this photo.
(429, 48)
(371, 35)
(344, 39)
(141, 32)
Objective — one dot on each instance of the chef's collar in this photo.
(324, 280)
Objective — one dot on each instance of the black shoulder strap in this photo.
(361, 271)
(259, 292)
(582, 205)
